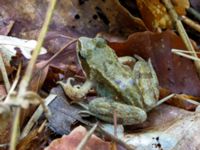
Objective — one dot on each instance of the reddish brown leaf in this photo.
(39, 78)
(155, 15)
(71, 141)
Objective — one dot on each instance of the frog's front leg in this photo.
(76, 92)
(103, 108)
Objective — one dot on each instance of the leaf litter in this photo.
(167, 127)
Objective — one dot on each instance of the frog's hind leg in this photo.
(76, 92)
(103, 108)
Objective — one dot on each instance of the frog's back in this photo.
(112, 78)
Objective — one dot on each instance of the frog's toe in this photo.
(69, 80)
(73, 92)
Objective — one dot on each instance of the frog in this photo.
(129, 91)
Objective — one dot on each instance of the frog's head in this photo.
(88, 51)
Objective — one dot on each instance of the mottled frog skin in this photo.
(130, 92)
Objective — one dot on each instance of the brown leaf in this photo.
(179, 100)
(73, 18)
(39, 78)
(2, 90)
(35, 140)
(71, 141)
(175, 73)
(5, 129)
(6, 26)
(155, 15)
(173, 129)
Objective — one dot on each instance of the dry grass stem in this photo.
(86, 138)
(28, 74)
(185, 55)
(181, 31)
(14, 84)
(54, 56)
(191, 23)
(4, 74)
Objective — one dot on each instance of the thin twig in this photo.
(113, 138)
(54, 56)
(164, 99)
(42, 126)
(191, 23)
(185, 55)
(192, 101)
(194, 12)
(181, 31)
(86, 138)
(27, 76)
(183, 51)
(14, 83)
(15, 130)
(4, 73)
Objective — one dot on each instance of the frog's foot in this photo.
(76, 92)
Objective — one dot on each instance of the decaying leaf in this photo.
(72, 17)
(63, 115)
(39, 76)
(10, 45)
(6, 26)
(6, 122)
(175, 133)
(35, 140)
(71, 141)
(155, 15)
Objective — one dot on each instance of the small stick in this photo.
(183, 51)
(185, 55)
(192, 101)
(54, 56)
(14, 84)
(42, 126)
(86, 138)
(113, 138)
(194, 13)
(162, 101)
(165, 99)
(4, 74)
(191, 23)
(181, 31)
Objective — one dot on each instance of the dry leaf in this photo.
(175, 133)
(71, 141)
(10, 44)
(38, 80)
(155, 15)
